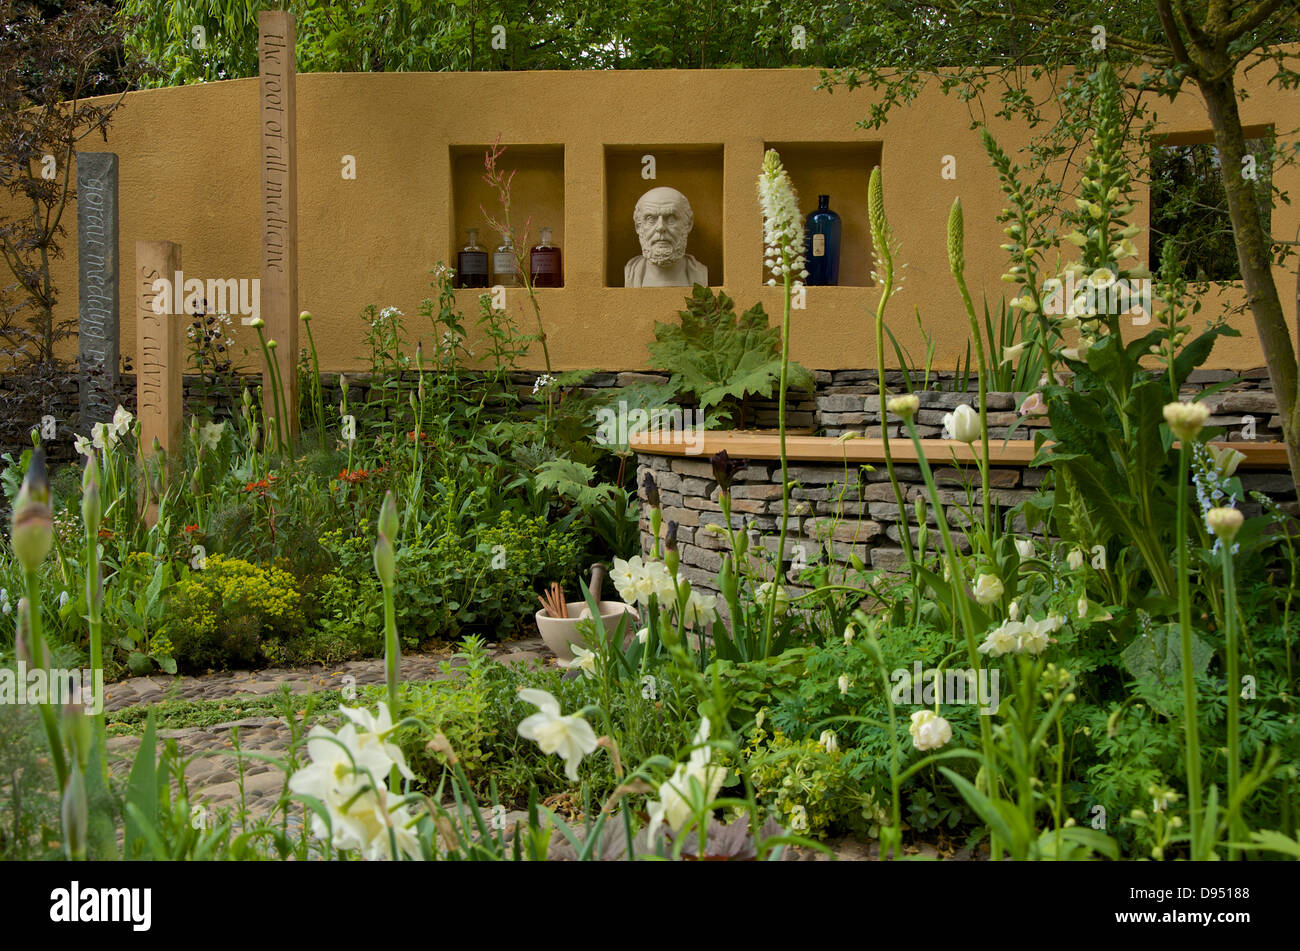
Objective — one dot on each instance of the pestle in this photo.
(597, 582)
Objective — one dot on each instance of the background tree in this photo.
(51, 60)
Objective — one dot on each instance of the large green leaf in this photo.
(1155, 659)
(142, 792)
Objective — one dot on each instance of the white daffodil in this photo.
(929, 730)
(83, 446)
(102, 436)
(988, 589)
(122, 420)
(571, 737)
(348, 778)
(701, 609)
(626, 576)
(583, 660)
(697, 776)
(375, 731)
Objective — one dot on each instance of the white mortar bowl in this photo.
(560, 633)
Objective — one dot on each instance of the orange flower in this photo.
(191, 529)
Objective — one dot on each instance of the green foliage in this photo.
(232, 613)
(721, 358)
(1190, 209)
(808, 786)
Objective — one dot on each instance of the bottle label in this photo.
(544, 263)
(819, 245)
(473, 262)
(504, 263)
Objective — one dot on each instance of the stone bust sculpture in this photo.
(663, 220)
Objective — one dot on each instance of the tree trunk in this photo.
(1253, 246)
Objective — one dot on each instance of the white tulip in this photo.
(929, 730)
(988, 589)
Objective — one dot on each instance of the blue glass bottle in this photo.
(822, 244)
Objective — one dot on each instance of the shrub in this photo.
(230, 611)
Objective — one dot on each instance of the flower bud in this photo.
(1224, 522)
(904, 407)
(1186, 419)
(73, 813)
(956, 238)
(90, 507)
(651, 491)
(724, 470)
(271, 345)
(388, 516)
(33, 526)
(258, 323)
(305, 317)
(385, 561)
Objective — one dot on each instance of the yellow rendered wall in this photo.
(189, 174)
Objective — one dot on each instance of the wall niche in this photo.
(843, 171)
(694, 170)
(536, 195)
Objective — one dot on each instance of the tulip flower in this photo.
(929, 730)
(963, 424)
(988, 589)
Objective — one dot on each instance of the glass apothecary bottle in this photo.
(822, 244)
(472, 263)
(544, 263)
(505, 269)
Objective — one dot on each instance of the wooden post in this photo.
(159, 359)
(279, 306)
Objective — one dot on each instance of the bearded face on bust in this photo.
(663, 220)
(663, 223)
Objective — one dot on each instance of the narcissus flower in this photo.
(570, 737)
(583, 660)
(697, 777)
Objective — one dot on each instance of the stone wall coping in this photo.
(843, 450)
